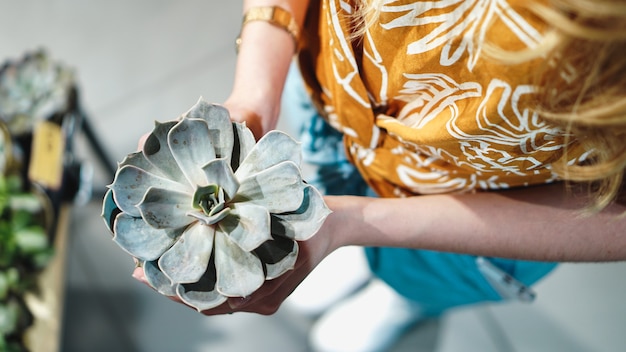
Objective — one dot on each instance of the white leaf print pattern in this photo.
(465, 22)
(422, 179)
(343, 54)
(425, 175)
(427, 95)
(413, 180)
(506, 127)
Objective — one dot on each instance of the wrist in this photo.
(262, 66)
(274, 15)
(346, 225)
(372, 222)
(259, 116)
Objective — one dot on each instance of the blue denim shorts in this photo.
(435, 280)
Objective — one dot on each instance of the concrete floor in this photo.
(145, 60)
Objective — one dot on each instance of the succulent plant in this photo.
(33, 89)
(209, 212)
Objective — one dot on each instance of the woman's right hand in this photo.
(258, 121)
(268, 298)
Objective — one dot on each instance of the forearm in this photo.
(537, 223)
(264, 57)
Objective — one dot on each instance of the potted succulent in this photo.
(33, 90)
(209, 212)
(39, 109)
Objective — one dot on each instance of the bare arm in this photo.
(543, 223)
(537, 223)
(263, 61)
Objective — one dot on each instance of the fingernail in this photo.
(138, 273)
(238, 302)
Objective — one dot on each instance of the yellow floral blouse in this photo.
(422, 107)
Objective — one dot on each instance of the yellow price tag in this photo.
(46, 157)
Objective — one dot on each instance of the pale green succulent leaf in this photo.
(277, 269)
(131, 183)
(279, 188)
(248, 225)
(141, 240)
(303, 223)
(219, 123)
(156, 151)
(202, 295)
(201, 300)
(109, 209)
(273, 148)
(278, 255)
(205, 198)
(139, 160)
(274, 250)
(218, 172)
(208, 112)
(246, 142)
(210, 219)
(239, 273)
(191, 148)
(157, 279)
(187, 260)
(166, 209)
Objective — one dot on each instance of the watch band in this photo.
(275, 15)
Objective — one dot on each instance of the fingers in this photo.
(252, 120)
(139, 275)
(269, 297)
(142, 141)
(266, 300)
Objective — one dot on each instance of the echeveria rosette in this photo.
(32, 89)
(209, 212)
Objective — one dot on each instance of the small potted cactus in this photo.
(207, 211)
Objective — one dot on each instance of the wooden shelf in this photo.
(47, 306)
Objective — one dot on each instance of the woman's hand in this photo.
(267, 299)
(257, 120)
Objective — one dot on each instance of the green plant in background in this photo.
(25, 250)
(22, 234)
(32, 89)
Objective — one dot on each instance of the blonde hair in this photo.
(590, 37)
(365, 15)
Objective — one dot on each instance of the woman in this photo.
(488, 129)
